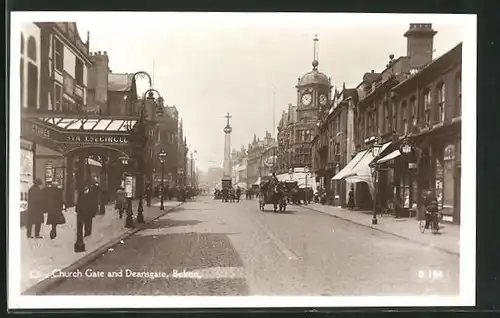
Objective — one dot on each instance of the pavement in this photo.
(209, 248)
(447, 239)
(40, 257)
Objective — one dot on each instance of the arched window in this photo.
(32, 48)
(404, 112)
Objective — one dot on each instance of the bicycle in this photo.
(434, 224)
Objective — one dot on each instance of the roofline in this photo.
(429, 65)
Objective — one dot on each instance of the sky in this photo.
(248, 64)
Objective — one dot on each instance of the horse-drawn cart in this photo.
(272, 193)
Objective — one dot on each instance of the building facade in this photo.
(333, 145)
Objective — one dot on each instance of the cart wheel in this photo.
(421, 225)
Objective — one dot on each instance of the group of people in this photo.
(228, 194)
(49, 200)
(41, 201)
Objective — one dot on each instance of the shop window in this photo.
(59, 55)
(458, 108)
(448, 198)
(427, 108)
(32, 85)
(404, 111)
(413, 110)
(441, 102)
(405, 190)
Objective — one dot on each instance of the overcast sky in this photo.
(210, 64)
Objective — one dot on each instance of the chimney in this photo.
(98, 78)
(420, 44)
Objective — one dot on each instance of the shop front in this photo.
(72, 151)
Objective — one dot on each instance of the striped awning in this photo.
(90, 124)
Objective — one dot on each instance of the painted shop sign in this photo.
(96, 139)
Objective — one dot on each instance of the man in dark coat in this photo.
(35, 209)
(86, 209)
(53, 198)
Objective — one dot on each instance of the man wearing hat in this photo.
(35, 209)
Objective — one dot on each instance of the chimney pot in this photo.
(105, 53)
(373, 71)
(99, 52)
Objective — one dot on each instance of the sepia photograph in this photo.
(241, 160)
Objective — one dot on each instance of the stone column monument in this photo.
(227, 148)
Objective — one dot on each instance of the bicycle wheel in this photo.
(435, 227)
(422, 226)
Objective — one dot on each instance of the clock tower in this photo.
(313, 91)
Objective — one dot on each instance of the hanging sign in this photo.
(128, 186)
(92, 139)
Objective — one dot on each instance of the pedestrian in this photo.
(350, 201)
(35, 209)
(53, 198)
(121, 203)
(86, 208)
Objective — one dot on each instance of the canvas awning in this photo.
(392, 155)
(347, 169)
(358, 169)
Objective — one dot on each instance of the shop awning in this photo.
(90, 124)
(347, 169)
(392, 155)
(358, 169)
(362, 171)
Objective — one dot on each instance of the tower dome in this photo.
(314, 77)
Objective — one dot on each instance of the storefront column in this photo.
(33, 150)
(69, 186)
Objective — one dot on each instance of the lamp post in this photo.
(162, 156)
(376, 147)
(141, 143)
(306, 170)
(129, 222)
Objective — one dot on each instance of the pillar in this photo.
(70, 182)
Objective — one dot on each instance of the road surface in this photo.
(207, 247)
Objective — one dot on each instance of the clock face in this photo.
(306, 99)
(322, 99)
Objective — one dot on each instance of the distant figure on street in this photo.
(350, 202)
(53, 197)
(35, 209)
(238, 194)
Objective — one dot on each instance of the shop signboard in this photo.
(128, 187)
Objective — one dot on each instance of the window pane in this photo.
(102, 124)
(115, 125)
(32, 85)
(90, 124)
(32, 48)
(75, 125)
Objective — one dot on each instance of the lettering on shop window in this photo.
(97, 139)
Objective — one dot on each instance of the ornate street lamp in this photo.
(142, 140)
(376, 147)
(162, 156)
(129, 222)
